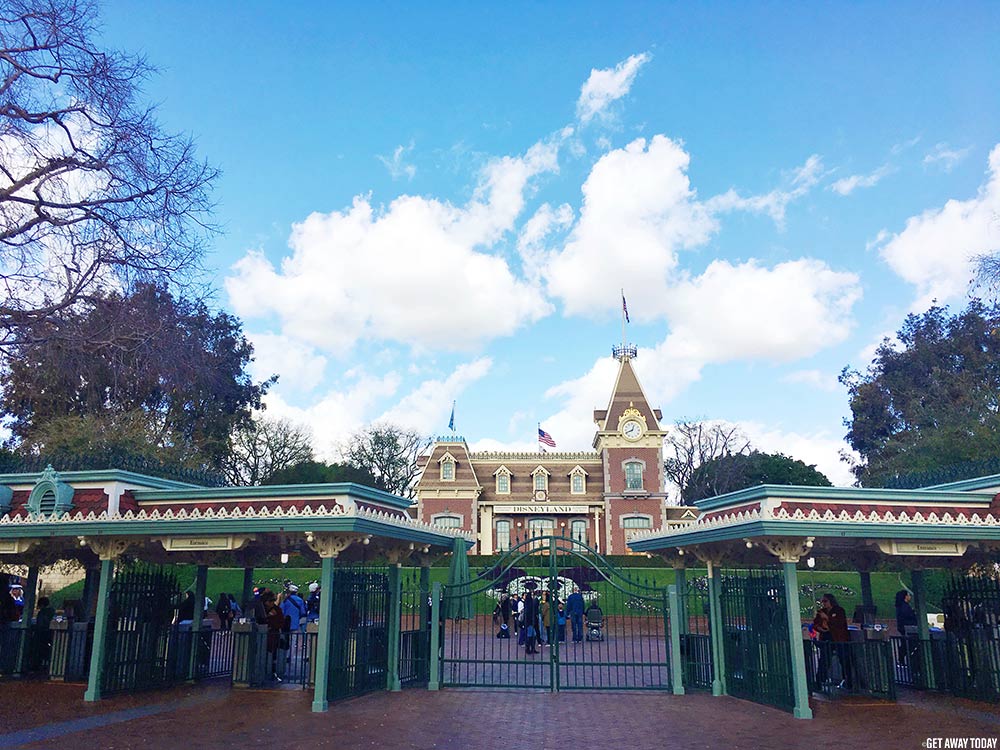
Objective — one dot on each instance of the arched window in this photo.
(633, 475)
(578, 481)
(538, 527)
(503, 536)
(579, 531)
(541, 481)
(447, 468)
(447, 521)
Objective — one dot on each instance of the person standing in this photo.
(312, 603)
(225, 611)
(294, 608)
(275, 624)
(530, 623)
(574, 608)
(515, 609)
(840, 634)
(905, 618)
(545, 617)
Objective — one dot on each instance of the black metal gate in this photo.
(359, 637)
(415, 630)
(143, 651)
(755, 637)
(695, 634)
(967, 660)
(621, 641)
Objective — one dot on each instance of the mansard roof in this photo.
(626, 394)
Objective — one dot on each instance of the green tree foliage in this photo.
(146, 369)
(931, 401)
(317, 472)
(738, 471)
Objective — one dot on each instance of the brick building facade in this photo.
(597, 497)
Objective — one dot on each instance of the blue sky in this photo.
(424, 203)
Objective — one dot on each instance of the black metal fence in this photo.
(11, 643)
(856, 668)
(261, 659)
(414, 630)
(359, 639)
(695, 634)
(755, 637)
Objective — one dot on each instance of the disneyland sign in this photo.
(542, 508)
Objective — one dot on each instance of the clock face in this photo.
(632, 429)
(540, 495)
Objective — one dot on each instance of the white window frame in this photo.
(503, 471)
(578, 472)
(503, 547)
(575, 524)
(449, 515)
(642, 473)
(540, 472)
(629, 516)
(446, 459)
(547, 524)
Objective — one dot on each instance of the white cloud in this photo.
(427, 408)
(775, 203)
(606, 86)
(847, 185)
(936, 249)
(396, 165)
(638, 210)
(339, 412)
(946, 157)
(823, 381)
(419, 271)
(898, 148)
(298, 366)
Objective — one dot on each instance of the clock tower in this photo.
(630, 443)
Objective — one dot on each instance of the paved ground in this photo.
(47, 715)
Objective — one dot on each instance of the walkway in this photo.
(211, 717)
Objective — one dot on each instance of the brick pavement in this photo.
(213, 716)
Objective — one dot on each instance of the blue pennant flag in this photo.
(451, 422)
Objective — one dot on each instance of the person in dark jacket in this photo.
(224, 609)
(905, 616)
(840, 634)
(574, 610)
(530, 623)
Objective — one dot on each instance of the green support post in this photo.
(323, 637)
(395, 614)
(676, 667)
(434, 680)
(923, 629)
(247, 591)
(24, 650)
(553, 641)
(93, 692)
(800, 684)
(680, 580)
(715, 627)
(200, 584)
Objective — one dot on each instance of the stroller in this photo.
(595, 623)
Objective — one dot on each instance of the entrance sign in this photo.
(206, 543)
(541, 508)
(928, 549)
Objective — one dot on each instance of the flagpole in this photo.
(623, 318)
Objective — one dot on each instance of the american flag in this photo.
(625, 308)
(545, 438)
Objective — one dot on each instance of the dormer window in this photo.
(50, 496)
(541, 479)
(578, 481)
(447, 463)
(503, 480)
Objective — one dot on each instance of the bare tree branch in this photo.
(94, 195)
(694, 443)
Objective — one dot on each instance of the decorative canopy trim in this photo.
(346, 510)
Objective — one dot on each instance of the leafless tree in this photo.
(389, 453)
(689, 444)
(264, 446)
(93, 193)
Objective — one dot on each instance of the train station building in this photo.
(600, 498)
